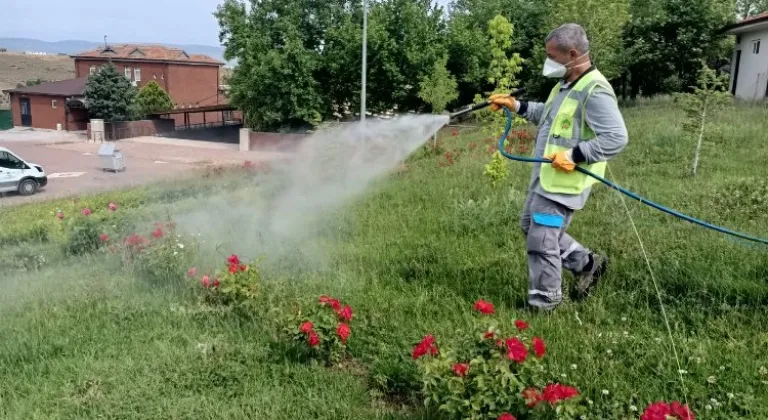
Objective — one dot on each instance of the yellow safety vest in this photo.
(568, 128)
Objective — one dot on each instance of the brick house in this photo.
(191, 80)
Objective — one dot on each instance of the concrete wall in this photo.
(278, 142)
(753, 69)
(127, 129)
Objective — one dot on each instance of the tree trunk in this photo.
(701, 137)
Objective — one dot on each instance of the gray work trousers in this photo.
(550, 249)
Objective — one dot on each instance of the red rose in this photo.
(313, 339)
(86, 212)
(532, 397)
(243, 267)
(426, 346)
(306, 327)
(324, 299)
(506, 416)
(485, 308)
(104, 237)
(216, 283)
(516, 350)
(558, 392)
(343, 331)
(681, 411)
(157, 233)
(112, 206)
(233, 260)
(663, 411)
(346, 313)
(60, 215)
(192, 271)
(233, 268)
(538, 347)
(460, 369)
(488, 335)
(206, 281)
(521, 325)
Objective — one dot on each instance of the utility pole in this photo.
(365, 59)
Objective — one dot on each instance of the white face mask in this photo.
(556, 70)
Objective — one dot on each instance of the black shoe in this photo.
(588, 279)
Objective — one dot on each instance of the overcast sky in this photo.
(161, 21)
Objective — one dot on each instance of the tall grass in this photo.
(82, 338)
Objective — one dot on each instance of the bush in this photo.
(161, 257)
(490, 374)
(321, 334)
(82, 234)
(238, 286)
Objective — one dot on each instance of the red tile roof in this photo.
(147, 52)
(747, 21)
(70, 87)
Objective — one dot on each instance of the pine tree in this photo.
(110, 95)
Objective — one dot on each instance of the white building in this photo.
(749, 66)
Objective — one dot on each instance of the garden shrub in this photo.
(320, 334)
(81, 234)
(239, 286)
(489, 373)
(161, 257)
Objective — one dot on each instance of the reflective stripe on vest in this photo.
(568, 128)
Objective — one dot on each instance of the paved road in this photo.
(73, 168)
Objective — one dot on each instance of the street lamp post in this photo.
(365, 57)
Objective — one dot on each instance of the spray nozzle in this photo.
(463, 113)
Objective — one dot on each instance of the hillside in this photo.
(18, 68)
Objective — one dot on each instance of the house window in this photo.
(53, 103)
(137, 74)
(93, 69)
(738, 39)
(128, 73)
(756, 47)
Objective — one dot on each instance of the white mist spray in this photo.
(279, 216)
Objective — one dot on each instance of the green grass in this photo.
(85, 338)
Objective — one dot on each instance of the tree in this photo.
(439, 87)
(746, 8)
(666, 40)
(153, 99)
(110, 95)
(603, 22)
(502, 72)
(709, 95)
(502, 75)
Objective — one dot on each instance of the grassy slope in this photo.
(85, 339)
(18, 68)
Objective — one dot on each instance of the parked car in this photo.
(16, 174)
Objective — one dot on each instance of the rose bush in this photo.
(238, 285)
(492, 374)
(322, 332)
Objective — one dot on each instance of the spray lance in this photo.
(462, 114)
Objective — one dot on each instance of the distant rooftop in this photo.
(747, 22)
(70, 87)
(147, 52)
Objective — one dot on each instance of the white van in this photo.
(16, 174)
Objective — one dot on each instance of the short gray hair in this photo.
(570, 36)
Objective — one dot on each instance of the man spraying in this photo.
(580, 124)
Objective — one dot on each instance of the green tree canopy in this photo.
(110, 96)
(439, 87)
(153, 99)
